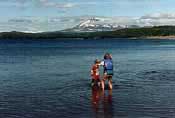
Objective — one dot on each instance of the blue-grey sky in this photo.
(50, 15)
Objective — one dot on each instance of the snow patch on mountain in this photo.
(101, 24)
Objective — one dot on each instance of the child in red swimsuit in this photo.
(95, 74)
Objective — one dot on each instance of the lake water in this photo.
(50, 79)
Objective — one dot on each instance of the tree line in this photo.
(122, 33)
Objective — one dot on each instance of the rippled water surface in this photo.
(50, 79)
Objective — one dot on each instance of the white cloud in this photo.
(158, 19)
(44, 3)
(48, 3)
(14, 3)
(19, 20)
(159, 16)
(36, 24)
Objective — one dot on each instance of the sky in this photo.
(53, 15)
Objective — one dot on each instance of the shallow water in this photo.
(50, 79)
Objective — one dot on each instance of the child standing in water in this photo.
(95, 74)
(108, 70)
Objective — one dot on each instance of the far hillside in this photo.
(121, 33)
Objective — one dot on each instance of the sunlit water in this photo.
(50, 79)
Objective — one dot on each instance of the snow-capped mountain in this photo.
(98, 24)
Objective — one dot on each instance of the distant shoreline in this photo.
(171, 37)
(157, 32)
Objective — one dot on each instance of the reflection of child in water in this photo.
(95, 74)
(95, 98)
(102, 103)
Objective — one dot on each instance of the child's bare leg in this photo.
(110, 83)
(102, 84)
(92, 82)
(99, 83)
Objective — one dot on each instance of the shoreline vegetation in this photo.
(156, 32)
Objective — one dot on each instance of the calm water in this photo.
(50, 79)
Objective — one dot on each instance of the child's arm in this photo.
(92, 72)
(101, 63)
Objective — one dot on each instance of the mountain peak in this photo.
(94, 24)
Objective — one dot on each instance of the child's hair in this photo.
(107, 56)
(97, 61)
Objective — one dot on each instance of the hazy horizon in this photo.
(54, 15)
